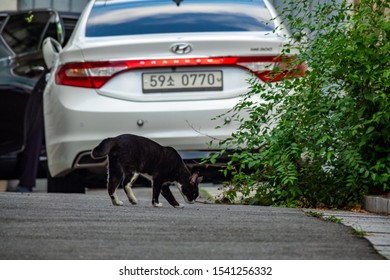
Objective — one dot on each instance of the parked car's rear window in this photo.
(153, 17)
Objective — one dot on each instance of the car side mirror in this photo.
(50, 49)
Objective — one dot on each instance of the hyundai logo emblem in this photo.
(181, 48)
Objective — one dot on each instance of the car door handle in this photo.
(37, 68)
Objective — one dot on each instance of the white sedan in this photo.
(161, 69)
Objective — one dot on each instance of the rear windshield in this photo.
(154, 17)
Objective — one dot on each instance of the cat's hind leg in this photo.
(115, 178)
(129, 191)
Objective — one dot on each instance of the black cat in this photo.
(130, 156)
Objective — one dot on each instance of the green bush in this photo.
(330, 146)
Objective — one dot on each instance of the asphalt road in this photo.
(75, 226)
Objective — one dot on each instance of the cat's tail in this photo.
(102, 149)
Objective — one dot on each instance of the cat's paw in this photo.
(130, 195)
(117, 203)
(134, 202)
(158, 205)
(179, 206)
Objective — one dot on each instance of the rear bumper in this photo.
(76, 120)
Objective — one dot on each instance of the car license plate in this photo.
(182, 81)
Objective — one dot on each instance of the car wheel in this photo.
(70, 183)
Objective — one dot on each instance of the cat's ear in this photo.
(195, 179)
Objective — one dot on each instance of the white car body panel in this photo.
(77, 119)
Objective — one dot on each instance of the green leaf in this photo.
(370, 129)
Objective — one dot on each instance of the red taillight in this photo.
(96, 74)
(88, 74)
(273, 69)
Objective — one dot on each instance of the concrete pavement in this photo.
(374, 227)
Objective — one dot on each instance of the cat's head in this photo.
(190, 188)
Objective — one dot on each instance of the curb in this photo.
(377, 204)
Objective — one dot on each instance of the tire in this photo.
(70, 183)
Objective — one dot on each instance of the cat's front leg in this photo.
(167, 194)
(156, 203)
(156, 194)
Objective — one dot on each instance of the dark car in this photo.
(21, 67)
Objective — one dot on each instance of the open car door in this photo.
(21, 66)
